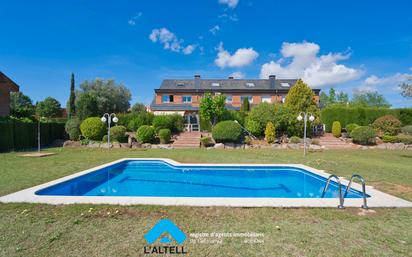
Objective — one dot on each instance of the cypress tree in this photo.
(245, 106)
(72, 99)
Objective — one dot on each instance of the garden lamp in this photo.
(109, 118)
(304, 116)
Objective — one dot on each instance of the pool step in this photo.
(187, 140)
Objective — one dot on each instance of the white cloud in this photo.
(132, 21)
(392, 82)
(237, 75)
(189, 49)
(170, 41)
(215, 29)
(410, 68)
(230, 3)
(242, 57)
(305, 63)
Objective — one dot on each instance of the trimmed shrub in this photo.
(164, 136)
(364, 135)
(6, 136)
(206, 141)
(93, 128)
(227, 131)
(350, 127)
(118, 133)
(390, 139)
(72, 128)
(407, 130)
(270, 133)
(387, 125)
(173, 122)
(146, 134)
(336, 129)
(105, 138)
(294, 140)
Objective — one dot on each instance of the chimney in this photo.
(230, 77)
(272, 81)
(197, 81)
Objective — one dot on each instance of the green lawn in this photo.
(75, 230)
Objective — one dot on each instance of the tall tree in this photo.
(71, 108)
(86, 106)
(212, 107)
(332, 96)
(342, 98)
(245, 106)
(48, 108)
(138, 107)
(369, 99)
(21, 105)
(110, 96)
(300, 98)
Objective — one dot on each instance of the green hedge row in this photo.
(17, 135)
(361, 115)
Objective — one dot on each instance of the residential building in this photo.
(183, 96)
(6, 86)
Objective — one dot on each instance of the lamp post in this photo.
(305, 120)
(108, 118)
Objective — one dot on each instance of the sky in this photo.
(349, 45)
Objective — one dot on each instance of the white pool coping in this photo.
(376, 199)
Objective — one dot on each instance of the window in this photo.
(167, 98)
(250, 84)
(283, 98)
(215, 84)
(228, 99)
(180, 85)
(284, 84)
(187, 99)
(266, 99)
(248, 97)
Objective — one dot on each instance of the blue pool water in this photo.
(161, 179)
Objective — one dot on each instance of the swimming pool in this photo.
(161, 179)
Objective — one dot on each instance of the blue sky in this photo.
(349, 45)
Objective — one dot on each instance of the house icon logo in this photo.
(166, 230)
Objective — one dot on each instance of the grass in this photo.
(77, 230)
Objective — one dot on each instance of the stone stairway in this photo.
(187, 140)
(331, 142)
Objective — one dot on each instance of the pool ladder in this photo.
(342, 197)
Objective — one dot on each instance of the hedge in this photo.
(361, 115)
(17, 135)
(227, 131)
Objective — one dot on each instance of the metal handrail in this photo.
(340, 206)
(365, 205)
(247, 131)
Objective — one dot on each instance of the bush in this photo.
(270, 133)
(118, 133)
(173, 122)
(234, 115)
(93, 128)
(72, 128)
(164, 136)
(390, 139)
(336, 129)
(105, 139)
(227, 131)
(6, 136)
(146, 134)
(363, 135)
(362, 116)
(206, 141)
(387, 125)
(350, 127)
(407, 130)
(254, 127)
(294, 140)
(259, 116)
(406, 139)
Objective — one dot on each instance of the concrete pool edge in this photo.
(376, 199)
